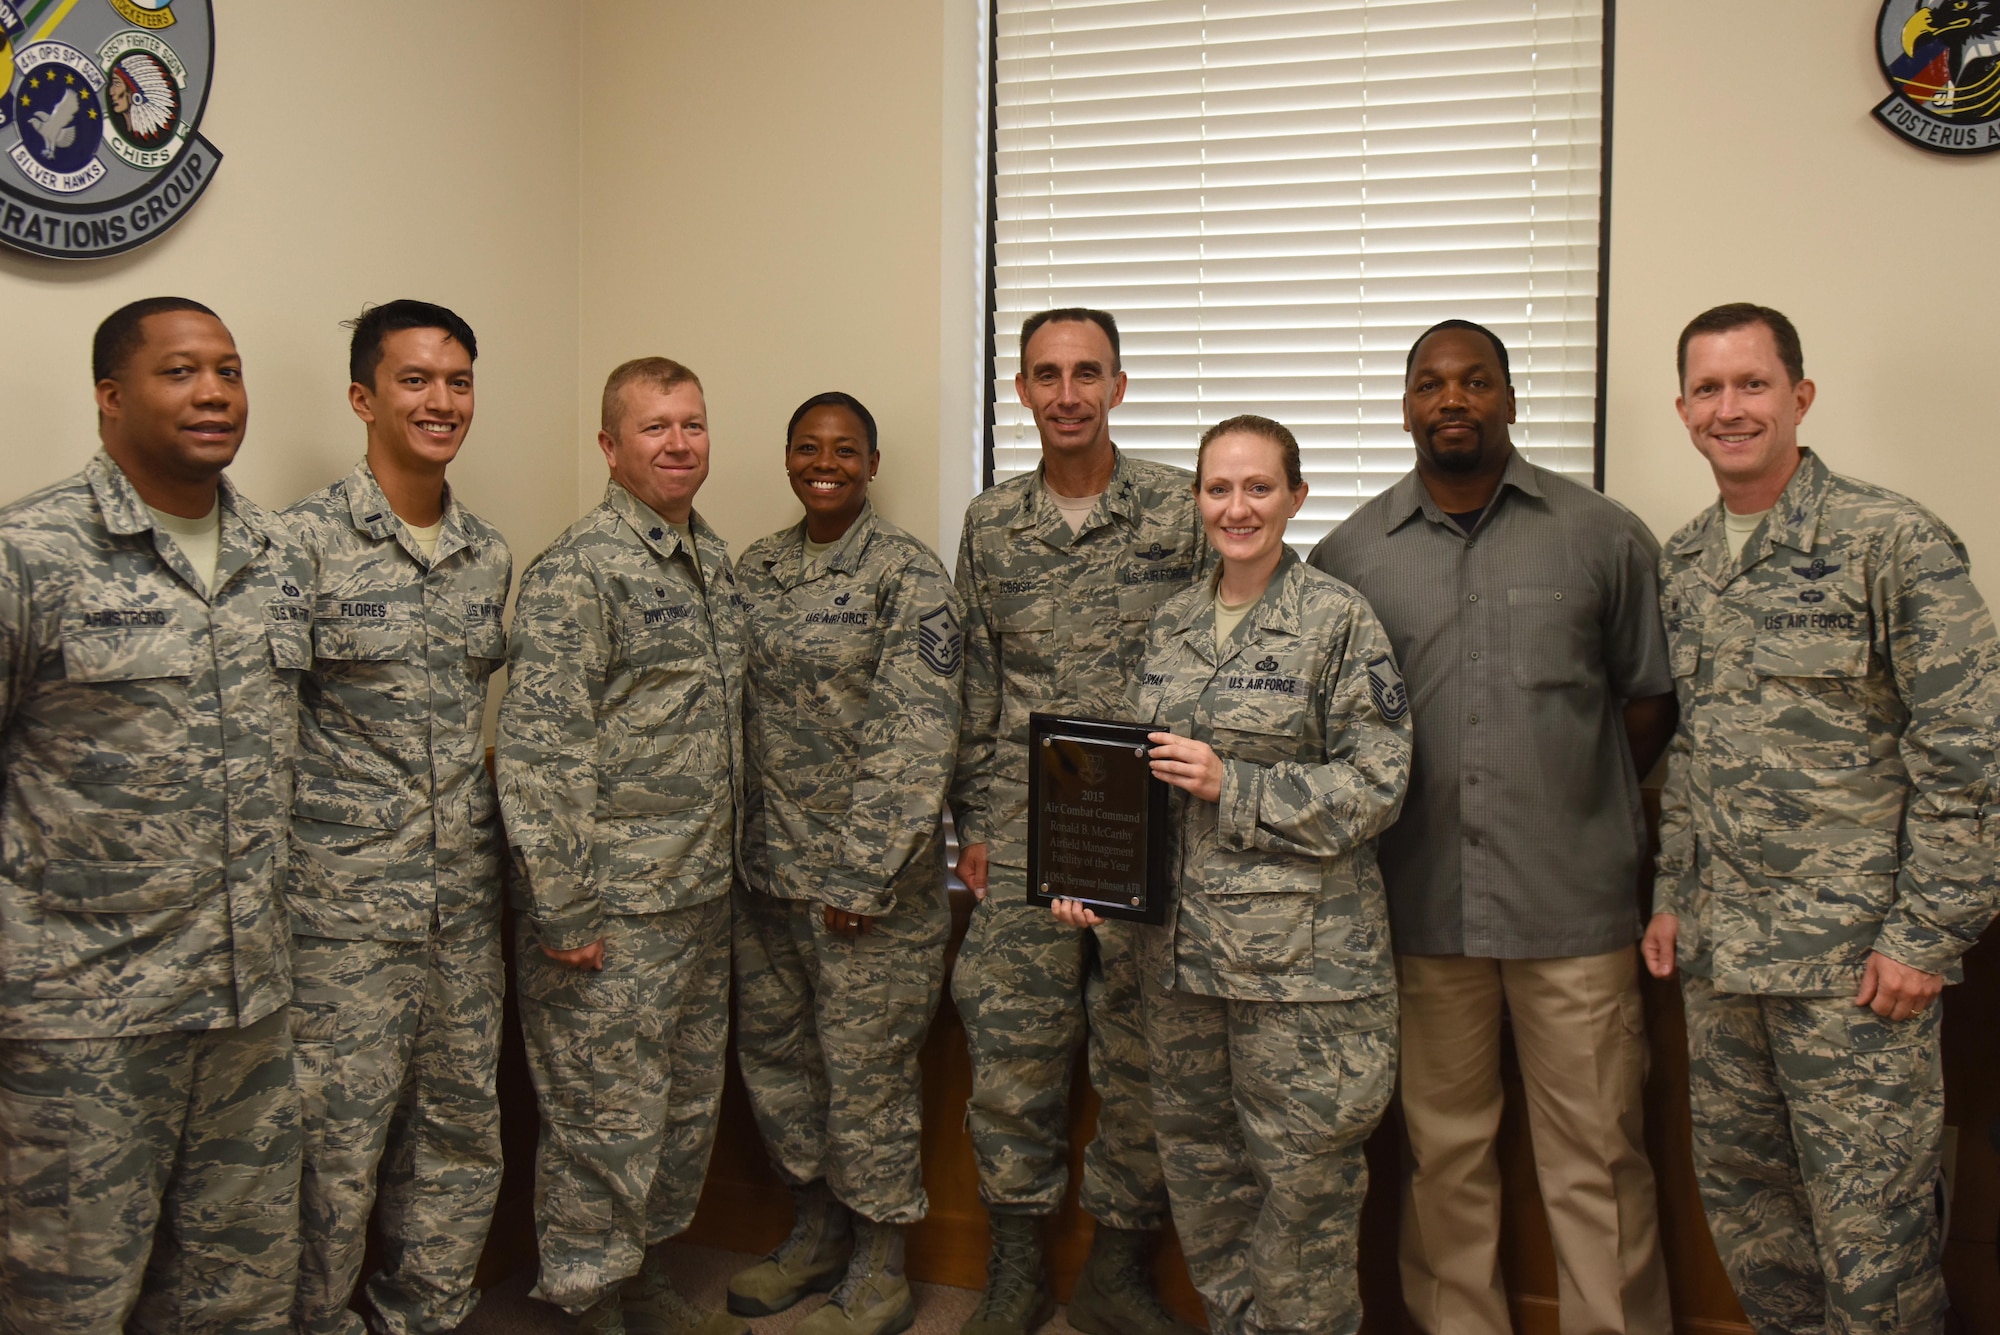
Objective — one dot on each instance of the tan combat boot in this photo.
(811, 1260)
(603, 1317)
(874, 1299)
(1116, 1295)
(1017, 1298)
(654, 1307)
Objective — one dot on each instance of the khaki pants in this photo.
(1580, 1032)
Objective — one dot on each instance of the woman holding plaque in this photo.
(1270, 995)
(851, 726)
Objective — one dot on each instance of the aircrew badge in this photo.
(1942, 61)
(100, 119)
(940, 641)
(1385, 687)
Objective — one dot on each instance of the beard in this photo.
(1460, 458)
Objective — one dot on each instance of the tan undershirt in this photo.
(1228, 616)
(1075, 509)
(814, 549)
(426, 537)
(200, 540)
(1738, 529)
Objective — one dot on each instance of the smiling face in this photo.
(1071, 383)
(1742, 411)
(177, 409)
(1245, 499)
(659, 451)
(830, 465)
(420, 406)
(1457, 404)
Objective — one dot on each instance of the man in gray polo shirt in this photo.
(1524, 610)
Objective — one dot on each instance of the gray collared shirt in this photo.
(1521, 834)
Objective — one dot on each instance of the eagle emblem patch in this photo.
(940, 641)
(100, 106)
(1942, 61)
(1385, 687)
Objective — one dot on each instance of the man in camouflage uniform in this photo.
(1823, 860)
(149, 1134)
(1060, 571)
(621, 776)
(851, 720)
(395, 889)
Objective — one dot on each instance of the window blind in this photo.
(1274, 197)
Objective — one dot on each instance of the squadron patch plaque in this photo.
(100, 121)
(1942, 61)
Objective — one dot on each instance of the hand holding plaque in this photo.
(1097, 818)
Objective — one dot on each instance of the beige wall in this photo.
(424, 150)
(1746, 167)
(786, 196)
(761, 202)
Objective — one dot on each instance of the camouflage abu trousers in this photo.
(1817, 1135)
(1263, 1108)
(1024, 985)
(827, 1032)
(627, 1064)
(398, 1043)
(149, 1184)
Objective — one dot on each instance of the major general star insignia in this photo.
(1385, 687)
(940, 641)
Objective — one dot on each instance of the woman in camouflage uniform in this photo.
(1270, 997)
(851, 721)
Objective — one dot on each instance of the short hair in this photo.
(833, 398)
(662, 373)
(1071, 315)
(376, 323)
(1499, 348)
(1251, 424)
(123, 332)
(1740, 315)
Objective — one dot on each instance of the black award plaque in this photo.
(1097, 818)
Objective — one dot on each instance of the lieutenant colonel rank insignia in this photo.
(1385, 686)
(940, 642)
(100, 110)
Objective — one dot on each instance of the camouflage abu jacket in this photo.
(146, 750)
(851, 709)
(620, 755)
(393, 820)
(1056, 622)
(1829, 786)
(1277, 896)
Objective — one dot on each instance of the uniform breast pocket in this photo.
(356, 641)
(1030, 621)
(1269, 740)
(485, 636)
(133, 686)
(1552, 636)
(111, 656)
(1805, 685)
